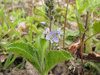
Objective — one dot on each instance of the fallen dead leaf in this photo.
(3, 58)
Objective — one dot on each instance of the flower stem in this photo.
(50, 28)
(50, 20)
(65, 24)
(89, 38)
(49, 45)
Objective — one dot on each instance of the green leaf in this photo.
(95, 41)
(25, 50)
(23, 63)
(35, 30)
(97, 47)
(8, 60)
(96, 27)
(39, 18)
(13, 27)
(5, 27)
(53, 57)
(79, 21)
(0, 30)
(13, 59)
(81, 27)
(41, 46)
(39, 10)
(25, 46)
(93, 67)
(82, 5)
(77, 4)
(72, 34)
(26, 55)
(1, 65)
(2, 16)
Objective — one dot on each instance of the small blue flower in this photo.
(46, 9)
(56, 39)
(45, 1)
(52, 4)
(54, 10)
(46, 31)
(43, 23)
(59, 32)
(52, 37)
(51, 17)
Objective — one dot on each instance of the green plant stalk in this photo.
(50, 20)
(88, 39)
(50, 27)
(2, 19)
(23, 63)
(97, 16)
(81, 48)
(17, 66)
(97, 47)
(88, 43)
(2, 15)
(85, 26)
(65, 24)
(81, 43)
(31, 33)
(49, 45)
(1, 66)
(8, 60)
(12, 27)
(4, 4)
(83, 37)
(13, 59)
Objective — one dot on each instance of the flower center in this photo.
(51, 37)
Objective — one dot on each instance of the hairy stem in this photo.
(65, 24)
(50, 20)
(50, 28)
(49, 45)
(85, 26)
(82, 39)
(87, 39)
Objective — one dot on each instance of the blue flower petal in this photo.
(43, 23)
(56, 39)
(48, 37)
(51, 41)
(47, 30)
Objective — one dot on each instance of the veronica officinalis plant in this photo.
(38, 56)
